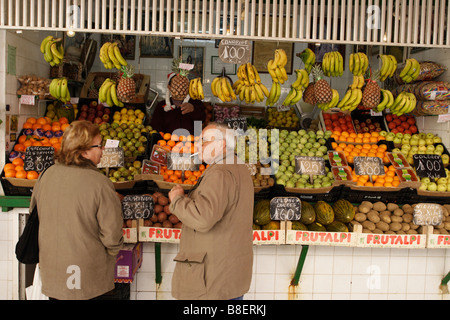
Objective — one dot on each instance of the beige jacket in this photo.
(216, 246)
(80, 231)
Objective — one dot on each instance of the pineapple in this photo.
(308, 94)
(126, 88)
(179, 84)
(322, 89)
(371, 94)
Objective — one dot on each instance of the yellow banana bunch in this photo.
(405, 102)
(53, 50)
(222, 89)
(333, 64)
(411, 70)
(111, 57)
(387, 101)
(351, 99)
(308, 57)
(276, 66)
(59, 90)
(196, 89)
(358, 63)
(108, 94)
(388, 66)
(358, 82)
(333, 103)
(274, 93)
(297, 87)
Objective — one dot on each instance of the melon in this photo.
(308, 214)
(315, 226)
(343, 211)
(272, 225)
(324, 213)
(261, 212)
(336, 226)
(297, 225)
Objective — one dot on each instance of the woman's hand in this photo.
(186, 108)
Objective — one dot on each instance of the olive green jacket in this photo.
(215, 259)
(80, 231)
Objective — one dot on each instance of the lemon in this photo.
(130, 112)
(141, 115)
(138, 121)
(123, 110)
(116, 117)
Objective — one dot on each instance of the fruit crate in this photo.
(296, 128)
(311, 195)
(363, 121)
(142, 89)
(16, 187)
(329, 117)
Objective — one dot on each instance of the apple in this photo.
(93, 103)
(107, 110)
(429, 141)
(442, 181)
(92, 111)
(422, 142)
(83, 114)
(423, 186)
(429, 135)
(99, 113)
(397, 140)
(442, 187)
(445, 158)
(383, 133)
(432, 186)
(84, 107)
(91, 117)
(105, 117)
(440, 147)
(390, 136)
(437, 139)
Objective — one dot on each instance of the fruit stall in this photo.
(364, 176)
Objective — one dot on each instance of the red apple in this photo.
(100, 107)
(99, 113)
(93, 103)
(105, 117)
(84, 107)
(98, 120)
(83, 114)
(107, 111)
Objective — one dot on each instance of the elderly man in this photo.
(216, 247)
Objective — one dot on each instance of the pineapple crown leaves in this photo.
(317, 72)
(127, 71)
(177, 69)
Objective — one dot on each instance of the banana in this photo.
(291, 95)
(52, 88)
(247, 94)
(336, 63)
(224, 86)
(283, 73)
(297, 98)
(417, 70)
(252, 94)
(103, 92)
(276, 61)
(298, 82)
(257, 77)
(109, 101)
(353, 97)
(272, 93)
(213, 86)
(358, 100)
(113, 93)
(44, 43)
(119, 56)
(357, 64)
(201, 94)
(305, 78)
(365, 62)
(406, 69)
(394, 65)
(230, 88)
(279, 75)
(344, 100)
(193, 89)
(382, 105)
(259, 92)
(242, 93)
(64, 88)
(391, 98)
(55, 51)
(48, 55)
(251, 74)
(351, 64)
(283, 59)
(385, 67)
(264, 89)
(278, 92)
(272, 71)
(112, 56)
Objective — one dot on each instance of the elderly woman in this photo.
(80, 216)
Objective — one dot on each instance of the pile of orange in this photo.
(361, 150)
(15, 169)
(388, 180)
(352, 137)
(176, 176)
(45, 124)
(179, 144)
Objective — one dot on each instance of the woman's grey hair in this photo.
(227, 133)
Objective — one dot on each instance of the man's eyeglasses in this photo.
(97, 146)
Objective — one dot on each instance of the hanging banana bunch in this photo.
(111, 57)
(108, 93)
(196, 89)
(59, 90)
(53, 50)
(248, 87)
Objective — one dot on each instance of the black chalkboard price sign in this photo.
(285, 208)
(177, 161)
(137, 206)
(371, 166)
(238, 124)
(309, 165)
(112, 158)
(429, 165)
(426, 214)
(39, 158)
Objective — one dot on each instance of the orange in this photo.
(9, 166)
(358, 140)
(42, 121)
(167, 136)
(10, 173)
(368, 184)
(171, 143)
(371, 154)
(64, 126)
(178, 173)
(46, 127)
(37, 126)
(197, 173)
(182, 138)
(388, 184)
(32, 175)
(175, 149)
(173, 177)
(389, 179)
(187, 182)
(373, 139)
(378, 184)
(19, 147)
(63, 120)
(202, 167)
(165, 176)
(37, 144)
(187, 174)
(395, 183)
(56, 127)
(22, 139)
(162, 143)
(174, 137)
(365, 140)
(21, 174)
(19, 168)
(57, 146)
(350, 139)
(390, 173)
(366, 135)
(18, 162)
(334, 145)
(193, 177)
(190, 138)
(53, 140)
(31, 120)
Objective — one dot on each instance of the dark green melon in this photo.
(324, 213)
(261, 212)
(272, 225)
(343, 211)
(336, 226)
(308, 214)
(315, 226)
(297, 225)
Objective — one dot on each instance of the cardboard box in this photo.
(128, 261)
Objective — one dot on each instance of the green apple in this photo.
(429, 135)
(406, 136)
(290, 184)
(425, 180)
(406, 147)
(399, 135)
(423, 186)
(390, 136)
(440, 147)
(301, 132)
(436, 152)
(442, 181)
(414, 141)
(429, 141)
(442, 187)
(383, 133)
(300, 185)
(396, 150)
(281, 181)
(437, 139)
(445, 158)
(422, 142)
(405, 141)
(430, 147)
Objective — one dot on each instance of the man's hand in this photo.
(186, 108)
(175, 192)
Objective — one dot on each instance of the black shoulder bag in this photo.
(27, 248)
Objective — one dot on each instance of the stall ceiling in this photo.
(372, 22)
